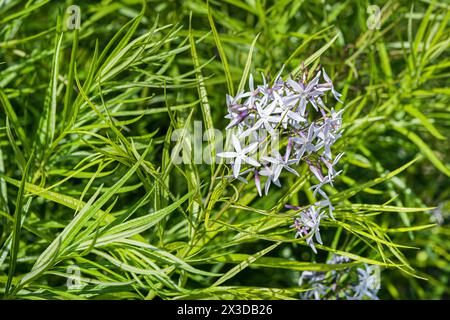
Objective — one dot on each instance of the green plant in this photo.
(89, 196)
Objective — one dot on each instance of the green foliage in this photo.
(86, 127)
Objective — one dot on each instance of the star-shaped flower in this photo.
(336, 94)
(329, 131)
(265, 119)
(240, 155)
(268, 90)
(369, 283)
(270, 174)
(332, 173)
(307, 225)
(287, 114)
(233, 103)
(305, 143)
(236, 118)
(279, 163)
(252, 94)
(304, 93)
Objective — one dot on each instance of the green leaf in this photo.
(17, 225)
(68, 103)
(12, 116)
(354, 190)
(424, 148)
(247, 66)
(244, 264)
(222, 54)
(203, 95)
(315, 55)
(424, 120)
(135, 226)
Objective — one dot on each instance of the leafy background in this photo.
(87, 116)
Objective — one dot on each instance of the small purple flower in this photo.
(265, 118)
(279, 163)
(270, 174)
(345, 283)
(369, 283)
(296, 108)
(307, 225)
(237, 118)
(305, 143)
(258, 182)
(240, 155)
(336, 94)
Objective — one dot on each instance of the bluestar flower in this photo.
(237, 118)
(270, 174)
(439, 214)
(307, 225)
(325, 203)
(304, 93)
(336, 94)
(279, 163)
(369, 283)
(317, 287)
(337, 259)
(322, 181)
(329, 131)
(252, 94)
(258, 182)
(265, 118)
(267, 91)
(332, 173)
(305, 143)
(288, 116)
(288, 105)
(343, 283)
(240, 155)
(336, 119)
(233, 103)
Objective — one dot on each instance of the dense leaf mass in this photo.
(97, 99)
